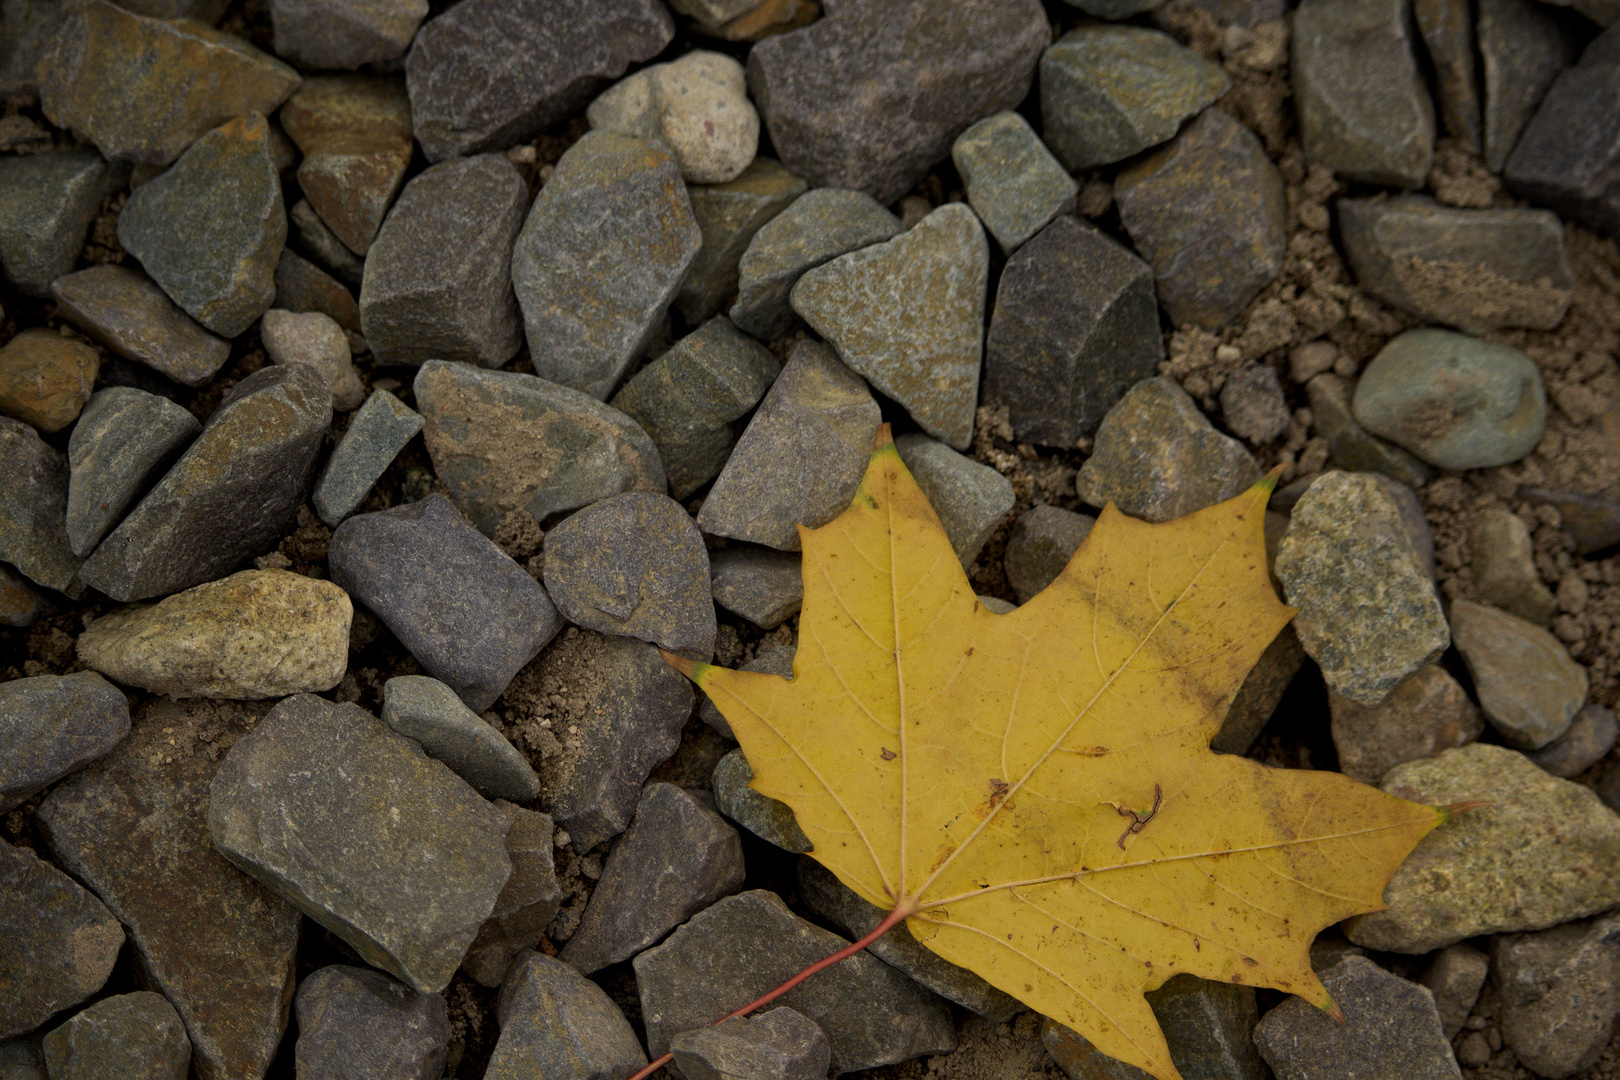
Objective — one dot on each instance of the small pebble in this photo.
(53, 725)
(47, 202)
(1253, 405)
(729, 216)
(528, 901)
(1526, 681)
(763, 586)
(697, 106)
(1042, 541)
(1455, 977)
(555, 1022)
(318, 341)
(33, 509)
(971, 499)
(45, 378)
(1013, 182)
(376, 435)
(769, 819)
(1427, 713)
(1505, 574)
(1559, 992)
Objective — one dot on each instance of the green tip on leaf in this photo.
(692, 669)
(883, 441)
(1268, 482)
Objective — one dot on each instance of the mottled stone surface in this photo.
(1042, 541)
(364, 833)
(344, 34)
(234, 493)
(801, 457)
(123, 441)
(527, 902)
(135, 1036)
(909, 316)
(603, 250)
(1427, 713)
(47, 202)
(503, 441)
(729, 215)
(144, 89)
(1526, 681)
(1543, 851)
(33, 509)
(1522, 48)
(489, 74)
(315, 238)
(870, 97)
(469, 614)
(556, 1023)
(1076, 323)
(1455, 977)
(970, 498)
(1209, 214)
(1013, 182)
(1208, 1028)
(761, 585)
(210, 230)
(46, 378)
(417, 304)
(1110, 92)
(376, 435)
(425, 709)
(778, 1044)
(1560, 993)
(126, 311)
(697, 106)
(1588, 740)
(769, 819)
(309, 337)
(358, 1024)
(52, 725)
(30, 26)
(734, 777)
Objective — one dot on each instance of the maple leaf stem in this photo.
(890, 921)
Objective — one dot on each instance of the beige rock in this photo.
(1504, 567)
(45, 378)
(255, 634)
(312, 338)
(697, 106)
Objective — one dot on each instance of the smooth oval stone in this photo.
(51, 725)
(135, 1036)
(1527, 683)
(1453, 400)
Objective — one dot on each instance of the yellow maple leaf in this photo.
(1035, 791)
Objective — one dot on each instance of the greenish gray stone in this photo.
(33, 509)
(1502, 557)
(210, 230)
(1477, 270)
(1590, 737)
(1013, 182)
(1208, 212)
(20, 1059)
(634, 565)
(1042, 541)
(1363, 109)
(1526, 681)
(135, 1036)
(729, 216)
(1522, 48)
(1208, 1027)
(688, 399)
(1157, 457)
(762, 585)
(1368, 611)
(503, 441)
(908, 315)
(1252, 404)
(316, 239)
(969, 499)
(52, 725)
(527, 903)
(1427, 713)
(1455, 401)
(424, 709)
(233, 494)
(47, 202)
(1559, 994)
(765, 817)
(819, 225)
(558, 1025)
(303, 286)
(801, 457)
(1076, 324)
(777, 661)
(1447, 27)
(826, 896)
(376, 435)
(364, 833)
(124, 310)
(1351, 446)
(778, 1044)
(603, 251)
(358, 1023)
(124, 439)
(1110, 92)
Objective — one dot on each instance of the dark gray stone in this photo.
(1042, 541)
(52, 725)
(746, 945)
(424, 709)
(778, 1044)
(763, 586)
(210, 230)
(1207, 1027)
(47, 202)
(1559, 993)
(558, 1025)
(1252, 404)
(316, 239)
(1351, 446)
(21, 604)
(970, 499)
(1076, 324)
(1522, 48)
(57, 942)
(489, 74)
(729, 216)
(1477, 270)
(503, 441)
(30, 25)
(20, 1059)
(820, 225)
(125, 311)
(634, 565)
(438, 284)
(774, 661)
(124, 440)
(1363, 108)
(376, 435)
(1587, 741)
(1455, 977)
(135, 1036)
(1447, 27)
(1209, 214)
(769, 819)
(358, 1024)
(469, 614)
(1258, 697)
(801, 457)
(344, 34)
(689, 398)
(527, 902)
(33, 509)
(303, 286)
(1526, 681)
(364, 833)
(1013, 182)
(871, 96)
(218, 945)
(1427, 713)
(677, 858)
(234, 493)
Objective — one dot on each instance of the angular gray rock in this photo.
(1208, 1027)
(778, 1044)
(490, 74)
(688, 399)
(677, 858)
(1076, 324)
(303, 286)
(1208, 213)
(527, 902)
(1042, 541)
(1526, 681)
(125, 439)
(1590, 737)
(503, 441)
(364, 833)
(1560, 993)
(1522, 48)
(872, 96)
(729, 216)
(358, 1024)
(763, 586)
(1447, 27)
(1427, 713)
(376, 435)
(343, 34)
(1013, 182)
(603, 250)
(234, 493)
(557, 1024)
(47, 202)
(820, 225)
(773, 661)
(424, 709)
(801, 457)
(1352, 447)
(52, 725)
(126, 311)
(747, 944)
(970, 499)
(469, 614)
(316, 239)
(210, 230)
(33, 509)
(1455, 977)
(138, 1036)
(769, 819)
(438, 282)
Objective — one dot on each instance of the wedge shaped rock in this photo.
(344, 34)
(1522, 48)
(527, 902)
(1427, 713)
(124, 310)
(970, 498)
(769, 819)
(1042, 541)
(779, 1044)
(1013, 182)
(47, 202)
(729, 216)
(124, 439)
(762, 585)
(33, 509)
(358, 1022)
(1527, 683)
(376, 435)
(424, 709)
(136, 1035)
(557, 1023)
